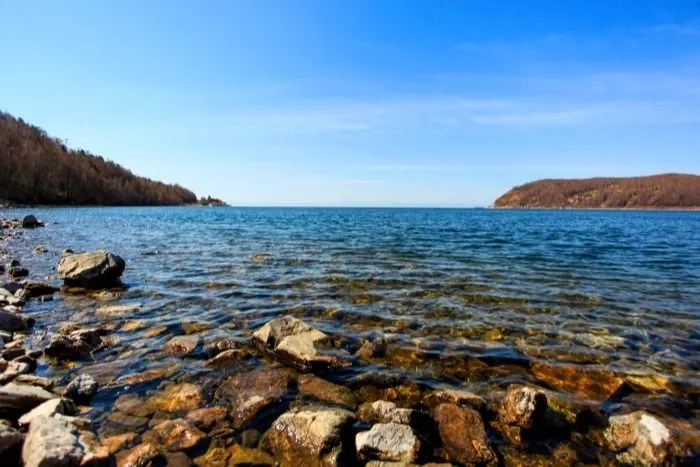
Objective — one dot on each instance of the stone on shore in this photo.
(82, 389)
(91, 270)
(388, 442)
(386, 412)
(207, 417)
(52, 442)
(40, 381)
(639, 438)
(11, 322)
(251, 393)
(522, 407)
(38, 289)
(139, 456)
(310, 437)
(463, 434)
(292, 340)
(9, 437)
(30, 222)
(18, 399)
(47, 409)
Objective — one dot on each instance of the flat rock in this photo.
(181, 345)
(639, 438)
(118, 443)
(18, 399)
(47, 409)
(310, 437)
(320, 389)
(388, 442)
(206, 418)
(110, 311)
(522, 407)
(594, 384)
(227, 357)
(52, 442)
(292, 340)
(242, 456)
(386, 412)
(175, 435)
(251, 393)
(92, 269)
(40, 381)
(138, 456)
(177, 398)
(463, 434)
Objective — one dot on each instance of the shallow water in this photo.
(445, 287)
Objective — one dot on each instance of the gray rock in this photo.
(11, 322)
(388, 442)
(92, 269)
(16, 272)
(9, 437)
(52, 442)
(82, 389)
(639, 438)
(74, 346)
(30, 222)
(292, 340)
(18, 399)
(386, 412)
(48, 409)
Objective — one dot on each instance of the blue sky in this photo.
(361, 102)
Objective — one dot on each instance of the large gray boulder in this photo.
(388, 442)
(92, 269)
(52, 442)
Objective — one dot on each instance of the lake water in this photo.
(618, 290)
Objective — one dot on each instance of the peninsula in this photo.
(664, 191)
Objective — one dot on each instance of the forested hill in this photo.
(38, 169)
(655, 191)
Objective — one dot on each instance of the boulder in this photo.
(82, 389)
(292, 340)
(522, 407)
(463, 434)
(31, 222)
(9, 437)
(322, 390)
(18, 399)
(52, 442)
(252, 393)
(639, 438)
(48, 409)
(312, 437)
(92, 270)
(388, 442)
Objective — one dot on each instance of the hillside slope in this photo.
(655, 191)
(38, 169)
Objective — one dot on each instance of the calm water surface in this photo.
(612, 288)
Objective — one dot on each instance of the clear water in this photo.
(616, 289)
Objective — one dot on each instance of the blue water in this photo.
(619, 289)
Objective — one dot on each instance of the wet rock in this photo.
(463, 434)
(182, 345)
(639, 439)
(52, 442)
(17, 272)
(177, 398)
(11, 322)
(139, 456)
(82, 389)
(92, 270)
(216, 456)
(251, 393)
(142, 377)
(9, 437)
(48, 409)
(75, 345)
(458, 397)
(386, 412)
(13, 370)
(177, 459)
(522, 407)
(310, 437)
(110, 311)
(23, 295)
(44, 383)
(18, 399)
(118, 423)
(372, 349)
(118, 443)
(320, 389)
(41, 249)
(175, 435)
(39, 289)
(227, 357)
(586, 383)
(154, 331)
(388, 442)
(250, 438)
(31, 222)
(192, 327)
(242, 456)
(206, 418)
(292, 340)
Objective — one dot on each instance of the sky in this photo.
(361, 102)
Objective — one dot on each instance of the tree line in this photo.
(38, 169)
(655, 191)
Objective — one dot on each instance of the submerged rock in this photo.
(310, 437)
(206, 418)
(175, 435)
(177, 398)
(38, 289)
(292, 340)
(320, 389)
(182, 345)
(639, 439)
(92, 270)
(388, 442)
(251, 393)
(587, 383)
(463, 434)
(75, 345)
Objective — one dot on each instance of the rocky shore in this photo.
(278, 397)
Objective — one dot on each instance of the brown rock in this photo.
(639, 438)
(154, 331)
(587, 383)
(522, 407)
(177, 398)
(118, 443)
(91, 270)
(241, 456)
(139, 456)
(39, 289)
(320, 389)
(310, 437)
(195, 327)
(181, 345)
(216, 456)
(227, 357)
(463, 434)
(250, 393)
(206, 418)
(175, 435)
(456, 396)
(143, 377)
(111, 311)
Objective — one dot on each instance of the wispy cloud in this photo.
(688, 28)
